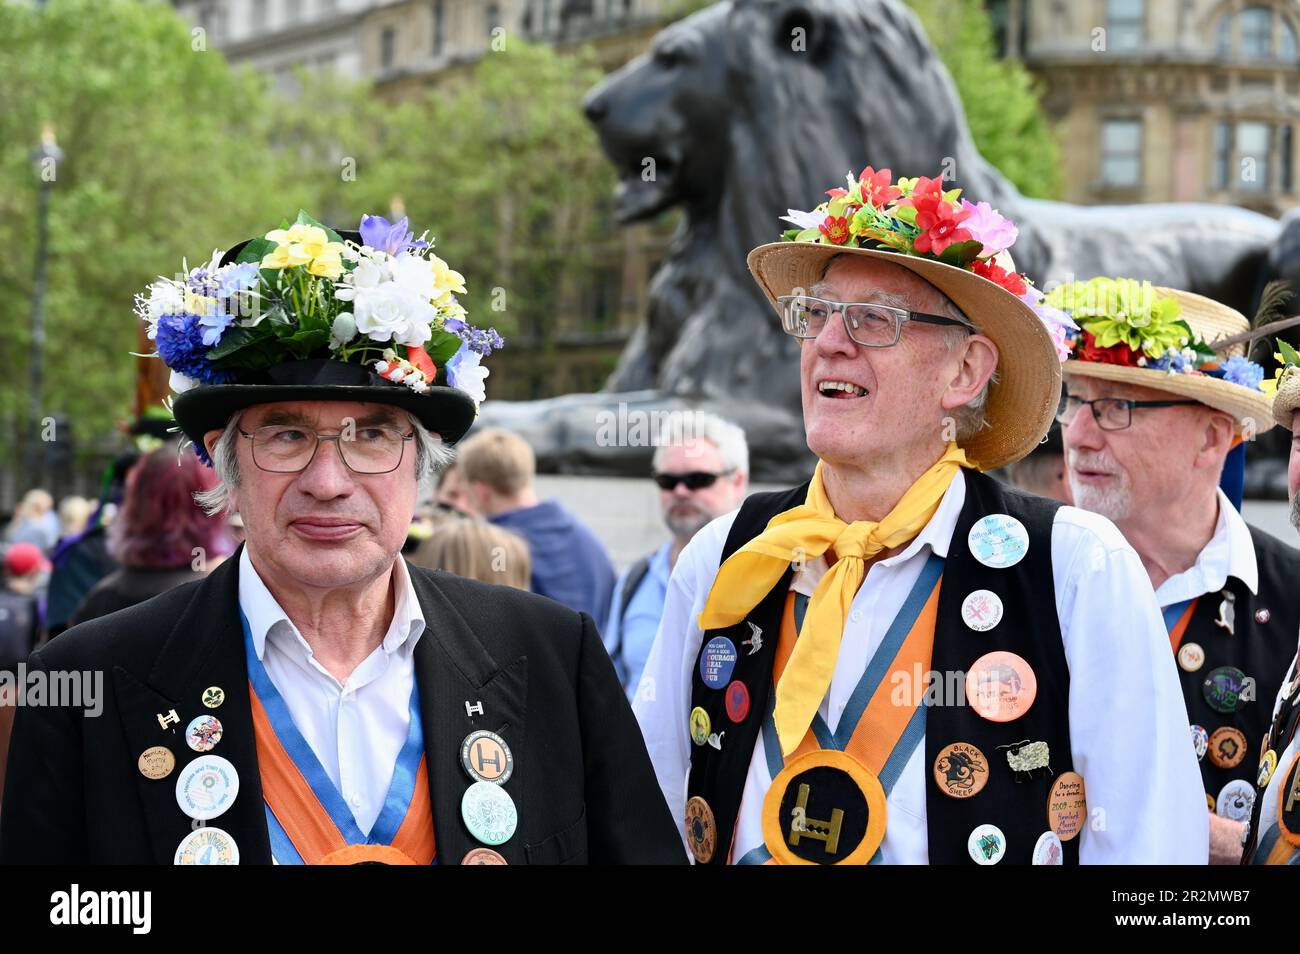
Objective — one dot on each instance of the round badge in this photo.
(737, 701)
(701, 830)
(206, 787)
(986, 845)
(1262, 615)
(1001, 687)
(1288, 803)
(981, 610)
(717, 661)
(1191, 657)
(1067, 805)
(489, 813)
(1236, 799)
(1209, 800)
(203, 733)
(156, 762)
(213, 696)
(207, 846)
(1048, 849)
(1267, 766)
(961, 770)
(1200, 741)
(825, 807)
(700, 725)
(1223, 689)
(998, 541)
(486, 757)
(483, 856)
(1227, 747)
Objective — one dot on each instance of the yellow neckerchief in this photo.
(803, 533)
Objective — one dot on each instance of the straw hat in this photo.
(1021, 404)
(1210, 321)
(1287, 399)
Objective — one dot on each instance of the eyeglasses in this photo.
(868, 324)
(696, 480)
(1111, 414)
(290, 448)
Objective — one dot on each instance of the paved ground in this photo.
(624, 512)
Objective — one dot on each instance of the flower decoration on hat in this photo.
(1126, 322)
(387, 303)
(918, 217)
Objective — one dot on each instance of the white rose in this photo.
(181, 383)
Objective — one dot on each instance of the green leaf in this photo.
(961, 254)
(305, 219)
(233, 340)
(255, 251)
(442, 346)
(1289, 354)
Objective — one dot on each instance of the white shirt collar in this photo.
(937, 535)
(263, 611)
(1230, 552)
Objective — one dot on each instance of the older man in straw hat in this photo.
(1148, 415)
(1274, 837)
(316, 699)
(902, 660)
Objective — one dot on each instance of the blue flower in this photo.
(1172, 361)
(1248, 374)
(391, 237)
(214, 326)
(180, 344)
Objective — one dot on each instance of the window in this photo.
(439, 26)
(1121, 152)
(1285, 175)
(1222, 154)
(1223, 37)
(387, 48)
(1125, 24)
(1253, 141)
(1288, 41)
(1257, 33)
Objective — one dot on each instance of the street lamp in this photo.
(46, 158)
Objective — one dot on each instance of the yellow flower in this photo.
(200, 304)
(329, 263)
(445, 279)
(286, 256)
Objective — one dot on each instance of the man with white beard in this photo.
(1148, 416)
(701, 465)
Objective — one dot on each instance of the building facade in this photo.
(1166, 100)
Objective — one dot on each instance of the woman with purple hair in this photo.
(161, 537)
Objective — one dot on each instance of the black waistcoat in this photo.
(1029, 627)
(1261, 644)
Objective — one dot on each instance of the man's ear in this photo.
(210, 440)
(978, 362)
(1219, 435)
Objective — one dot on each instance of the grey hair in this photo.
(969, 418)
(728, 438)
(432, 456)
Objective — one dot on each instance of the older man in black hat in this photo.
(316, 699)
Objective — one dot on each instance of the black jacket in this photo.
(582, 781)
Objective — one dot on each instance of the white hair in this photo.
(728, 438)
(431, 457)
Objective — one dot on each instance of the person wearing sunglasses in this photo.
(1146, 445)
(701, 467)
(903, 660)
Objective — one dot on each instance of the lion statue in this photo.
(730, 118)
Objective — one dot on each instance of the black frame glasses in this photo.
(265, 432)
(1100, 407)
(855, 314)
(695, 480)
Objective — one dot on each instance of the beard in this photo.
(1115, 503)
(685, 518)
(1295, 511)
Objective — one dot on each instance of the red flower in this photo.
(836, 229)
(423, 363)
(1011, 281)
(876, 188)
(837, 193)
(939, 224)
(1120, 354)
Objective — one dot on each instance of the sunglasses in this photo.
(696, 480)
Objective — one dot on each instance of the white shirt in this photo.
(1230, 552)
(357, 728)
(1128, 724)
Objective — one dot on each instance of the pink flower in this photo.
(989, 227)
